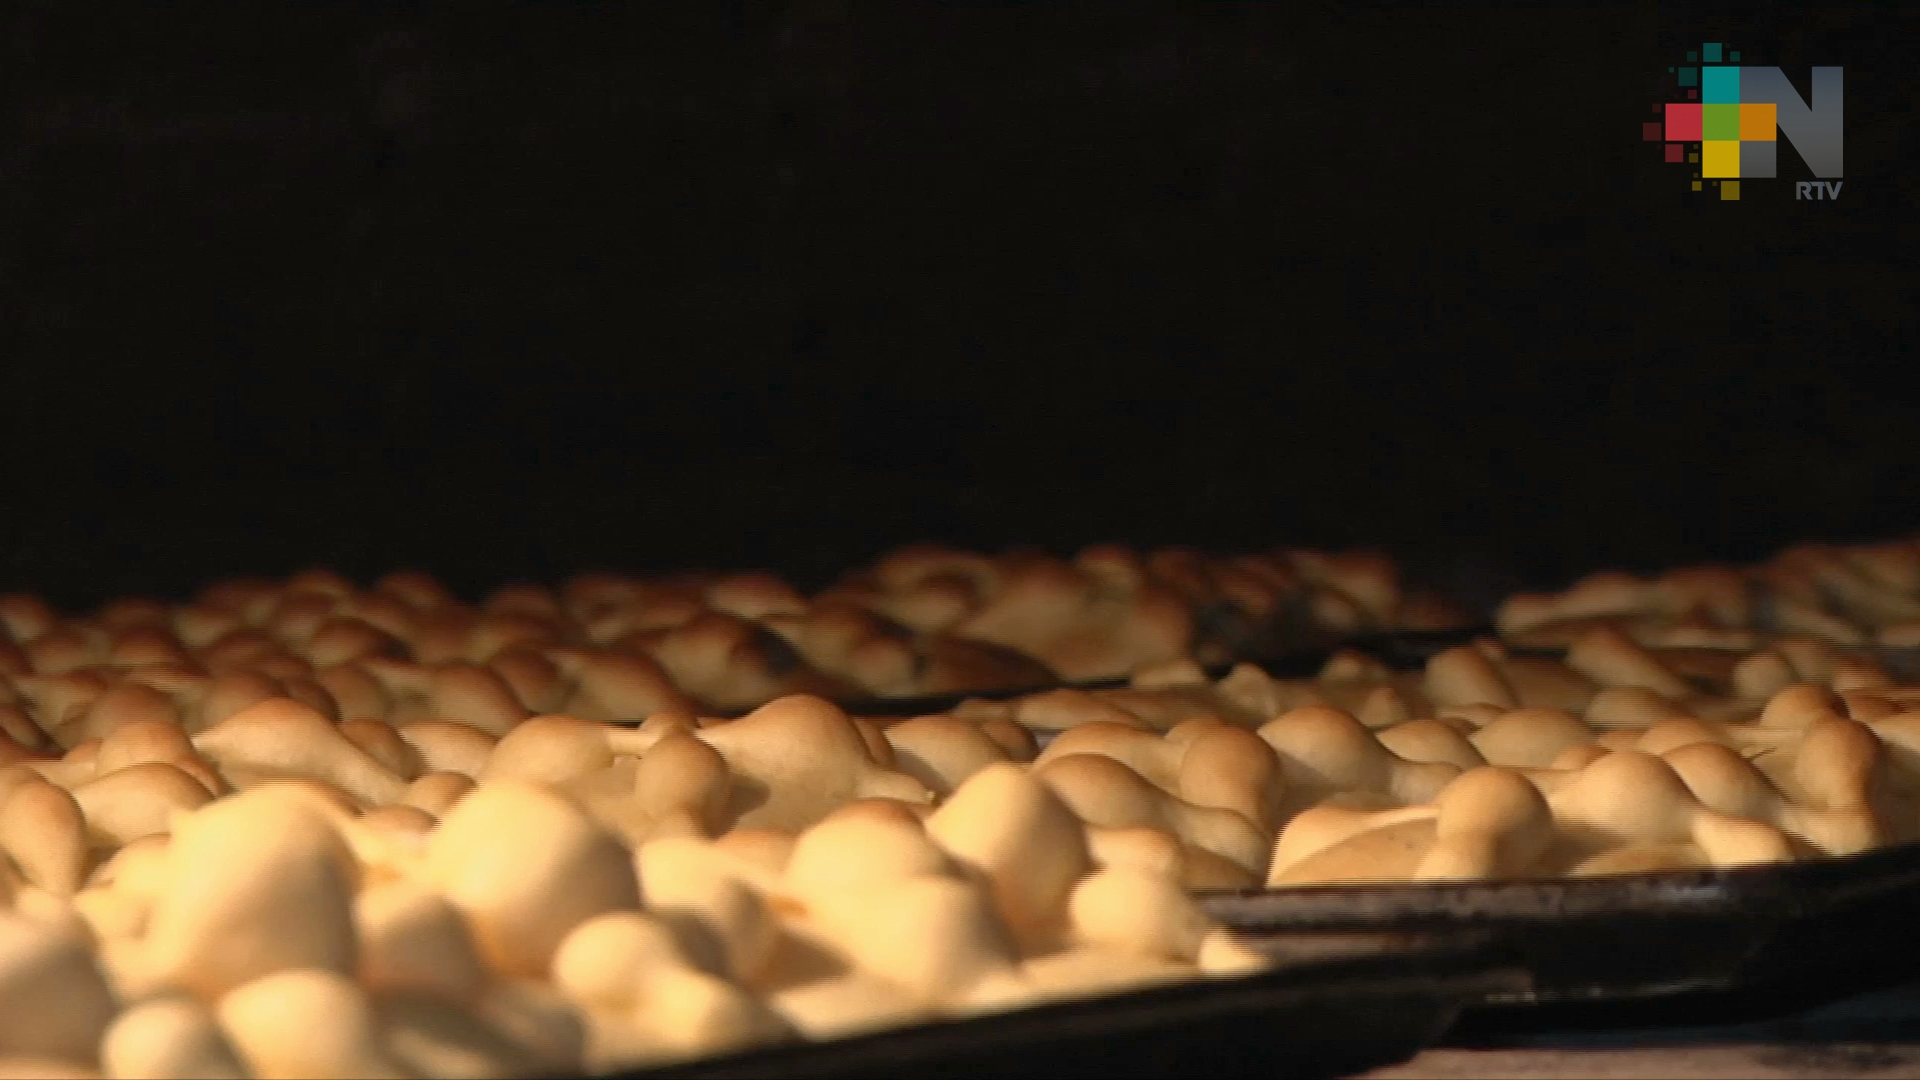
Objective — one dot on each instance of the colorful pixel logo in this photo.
(1735, 116)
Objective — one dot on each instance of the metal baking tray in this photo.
(1826, 925)
(1329, 1008)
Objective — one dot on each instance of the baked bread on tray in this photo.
(279, 893)
(1859, 595)
(1110, 611)
(305, 828)
(1488, 765)
(921, 622)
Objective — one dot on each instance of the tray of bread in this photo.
(308, 828)
(305, 827)
(1324, 1009)
(1740, 814)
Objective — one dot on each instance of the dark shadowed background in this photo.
(510, 293)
